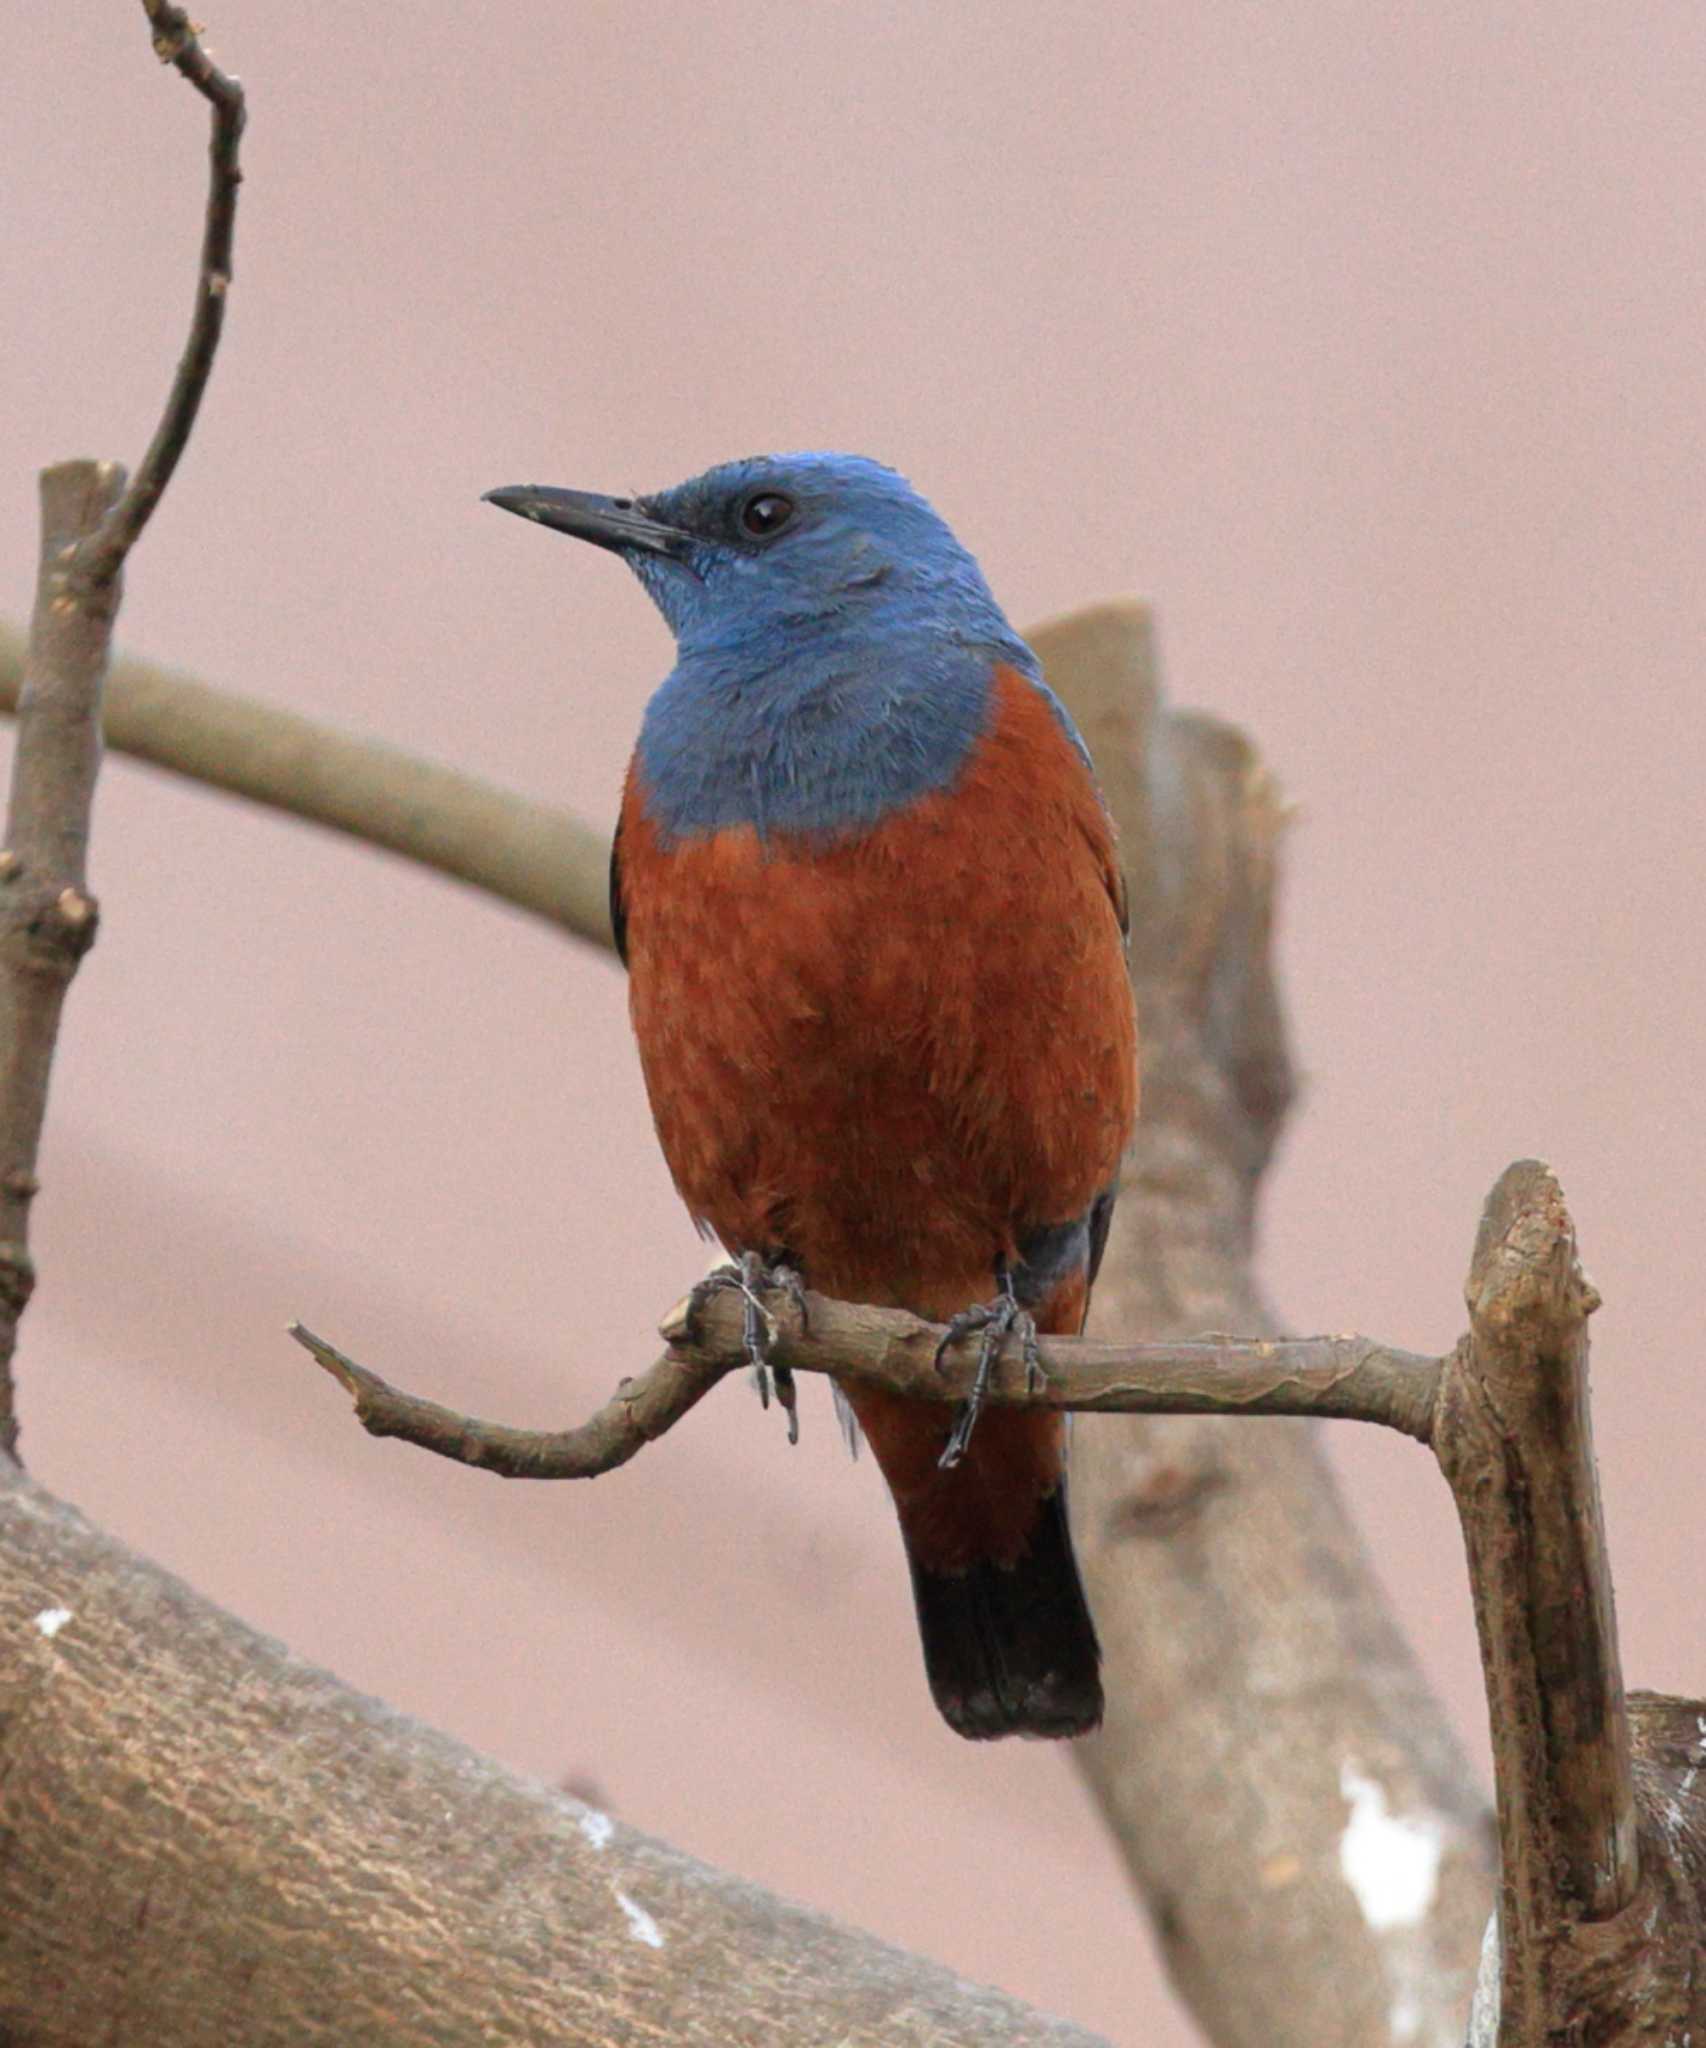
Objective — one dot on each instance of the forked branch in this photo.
(90, 521)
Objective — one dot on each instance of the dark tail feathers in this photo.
(1011, 1649)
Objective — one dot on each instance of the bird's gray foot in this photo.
(998, 1320)
(752, 1278)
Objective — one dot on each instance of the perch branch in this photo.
(894, 1350)
(640, 1410)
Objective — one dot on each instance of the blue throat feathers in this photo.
(828, 677)
(832, 735)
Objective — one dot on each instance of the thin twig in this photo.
(177, 42)
(1342, 1376)
(638, 1411)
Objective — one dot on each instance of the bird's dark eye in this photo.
(765, 513)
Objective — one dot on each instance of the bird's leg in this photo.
(997, 1319)
(752, 1277)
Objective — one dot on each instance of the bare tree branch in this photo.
(176, 43)
(540, 860)
(640, 1410)
(1536, 1541)
(895, 1350)
(1632, 1979)
(47, 916)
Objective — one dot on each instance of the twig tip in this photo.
(344, 1370)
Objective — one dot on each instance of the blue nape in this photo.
(827, 675)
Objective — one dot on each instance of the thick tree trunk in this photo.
(1263, 1706)
(205, 1842)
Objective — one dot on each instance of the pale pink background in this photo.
(1366, 342)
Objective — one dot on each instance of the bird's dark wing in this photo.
(618, 910)
(1101, 1217)
(1052, 1254)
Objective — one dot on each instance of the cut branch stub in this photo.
(1200, 820)
(1536, 1541)
(1599, 1919)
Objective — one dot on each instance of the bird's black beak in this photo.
(617, 523)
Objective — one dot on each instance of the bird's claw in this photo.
(998, 1320)
(751, 1278)
(1036, 1373)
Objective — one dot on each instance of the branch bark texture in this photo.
(209, 1842)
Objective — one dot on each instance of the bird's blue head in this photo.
(835, 641)
(783, 544)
